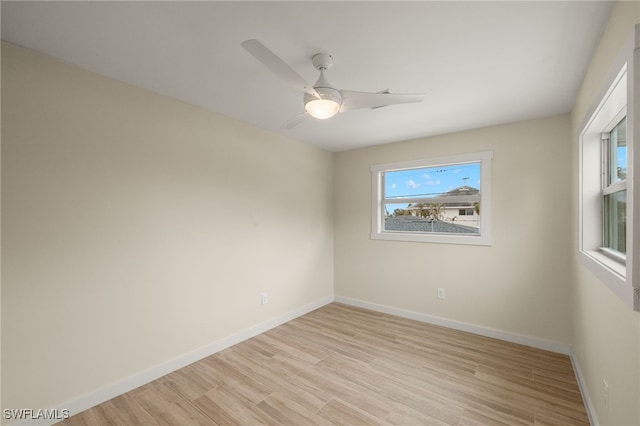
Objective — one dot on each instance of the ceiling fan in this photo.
(323, 100)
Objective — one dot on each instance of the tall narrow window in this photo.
(606, 216)
(609, 168)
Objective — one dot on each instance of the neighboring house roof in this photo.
(463, 190)
(419, 224)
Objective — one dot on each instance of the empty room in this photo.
(332, 212)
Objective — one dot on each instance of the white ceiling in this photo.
(479, 63)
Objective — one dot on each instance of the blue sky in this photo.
(431, 181)
(621, 161)
(619, 151)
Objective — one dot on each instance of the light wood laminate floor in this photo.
(350, 366)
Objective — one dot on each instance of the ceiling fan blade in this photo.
(277, 66)
(293, 122)
(357, 100)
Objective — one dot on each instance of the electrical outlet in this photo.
(441, 293)
(265, 298)
(605, 393)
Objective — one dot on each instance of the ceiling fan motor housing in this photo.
(328, 93)
(323, 87)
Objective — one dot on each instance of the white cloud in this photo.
(433, 182)
(426, 176)
(412, 184)
(457, 171)
(393, 186)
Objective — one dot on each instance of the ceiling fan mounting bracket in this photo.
(322, 61)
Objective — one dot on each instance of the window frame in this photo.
(621, 274)
(377, 205)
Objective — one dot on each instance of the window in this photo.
(440, 200)
(606, 194)
(614, 191)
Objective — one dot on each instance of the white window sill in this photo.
(472, 240)
(609, 264)
(611, 272)
(615, 256)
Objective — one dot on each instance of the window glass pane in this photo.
(615, 221)
(431, 181)
(429, 189)
(618, 152)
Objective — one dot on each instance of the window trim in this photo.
(377, 205)
(622, 279)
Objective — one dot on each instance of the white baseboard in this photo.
(534, 342)
(127, 384)
(586, 398)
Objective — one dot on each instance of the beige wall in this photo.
(136, 228)
(606, 336)
(518, 285)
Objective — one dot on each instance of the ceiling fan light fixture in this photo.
(325, 106)
(322, 108)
